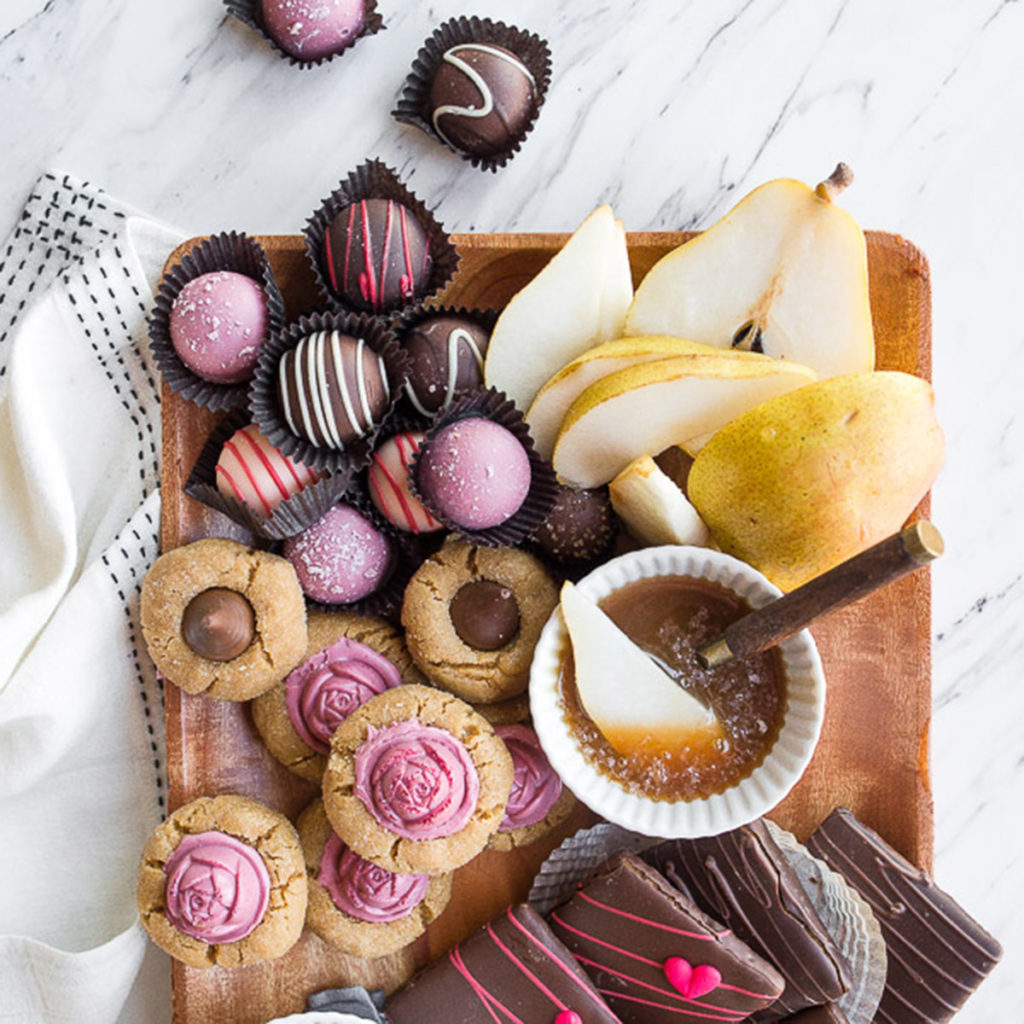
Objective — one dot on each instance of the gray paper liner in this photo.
(250, 12)
(406, 321)
(266, 413)
(413, 106)
(375, 180)
(292, 516)
(578, 857)
(234, 251)
(494, 405)
(850, 921)
(386, 601)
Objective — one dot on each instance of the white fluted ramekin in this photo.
(749, 798)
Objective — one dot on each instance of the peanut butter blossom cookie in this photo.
(222, 619)
(472, 617)
(538, 800)
(417, 781)
(222, 883)
(358, 906)
(350, 658)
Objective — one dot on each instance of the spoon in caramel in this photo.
(913, 547)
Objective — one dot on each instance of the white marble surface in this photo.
(670, 111)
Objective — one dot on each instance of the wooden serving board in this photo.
(873, 755)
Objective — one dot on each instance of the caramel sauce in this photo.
(670, 617)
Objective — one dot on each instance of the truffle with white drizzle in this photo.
(446, 355)
(332, 389)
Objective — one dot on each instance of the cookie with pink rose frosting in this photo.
(538, 801)
(358, 906)
(349, 659)
(222, 883)
(417, 781)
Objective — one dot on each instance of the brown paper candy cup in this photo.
(374, 180)
(232, 251)
(292, 516)
(267, 414)
(413, 106)
(250, 12)
(494, 405)
(485, 318)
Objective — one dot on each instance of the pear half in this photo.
(577, 301)
(628, 697)
(554, 398)
(811, 478)
(653, 508)
(784, 273)
(649, 407)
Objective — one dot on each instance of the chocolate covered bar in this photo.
(512, 969)
(655, 956)
(743, 879)
(938, 954)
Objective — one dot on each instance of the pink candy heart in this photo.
(568, 1017)
(689, 981)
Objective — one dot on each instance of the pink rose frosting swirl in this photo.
(365, 891)
(323, 691)
(217, 888)
(418, 781)
(536, 786)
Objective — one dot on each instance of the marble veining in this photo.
(669, 111)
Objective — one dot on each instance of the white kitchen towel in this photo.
(81, 710)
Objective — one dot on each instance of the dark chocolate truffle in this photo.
(580, 526)
(446, 361)
(218, 624)
(377, 255)
(485, 614)
(481, 99)
(332, 389)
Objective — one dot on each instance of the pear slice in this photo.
(577, 301)
(649, 407)
(554, 398)
(628, 697)
(784, 273)
(653, 508)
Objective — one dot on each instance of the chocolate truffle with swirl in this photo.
(349, 659)
(357, 906)
(446, 361)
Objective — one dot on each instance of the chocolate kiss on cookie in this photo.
(218, 624)
(485, 614)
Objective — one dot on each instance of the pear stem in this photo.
(839, 179)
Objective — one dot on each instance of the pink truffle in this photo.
(341, 558)
(475, 473)
(217, 325)
(311, 29)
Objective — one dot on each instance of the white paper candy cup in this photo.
(748, 799)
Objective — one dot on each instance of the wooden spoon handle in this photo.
(896, 556)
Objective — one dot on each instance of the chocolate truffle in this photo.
(252, 470)
(377, 255)
(218, 624)
(341, 558)
(332, 389)
(312, 29)
(217, 325)
(474, 472)
(485, 614)
(481, 99)
(579, 527)
(446, 360)
(389, 478)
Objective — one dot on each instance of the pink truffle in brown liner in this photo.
(479, 473)
(499, 75)
(210, 313)
(325, 386)
(375, 247)
(286, 26)
(271, 516)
